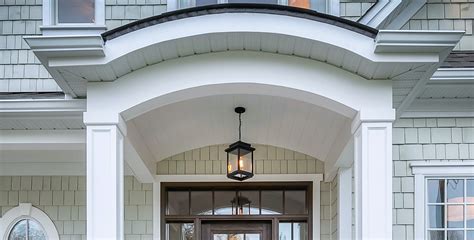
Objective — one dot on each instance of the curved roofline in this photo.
(240, 8)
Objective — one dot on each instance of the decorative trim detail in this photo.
(25, 211)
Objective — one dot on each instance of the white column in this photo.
(105, 179)
(373, 180)
(344, 205)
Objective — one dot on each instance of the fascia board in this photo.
(404, 41)
(453, 74)
(41, 106)
(68, 45)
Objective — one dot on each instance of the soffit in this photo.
(275, 121)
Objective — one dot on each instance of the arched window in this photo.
(26, 222)
(27, 228)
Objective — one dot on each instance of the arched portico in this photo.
(333, 79)
(174, 106)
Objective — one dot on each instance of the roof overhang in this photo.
(409, 58)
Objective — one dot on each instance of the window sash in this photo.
(465, 204)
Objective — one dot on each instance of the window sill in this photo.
(72, 29)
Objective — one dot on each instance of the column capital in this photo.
(105, 119)
(372, 115)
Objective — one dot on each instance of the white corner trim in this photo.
(27, 211)
(315, 178)
(429, 169)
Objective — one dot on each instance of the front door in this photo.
(234, 230)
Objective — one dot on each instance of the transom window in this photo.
(450, 208)
(27, 229)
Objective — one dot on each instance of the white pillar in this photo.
(105, 179)
(344, 205)
(373, 180)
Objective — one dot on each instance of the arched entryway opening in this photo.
(187, 103)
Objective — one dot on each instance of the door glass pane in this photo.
(470, 191)
(252, 237)
(35, 231)
(178, 203)
(284, 230)
(272, 202)
(76, 11)
(435, 235)
(470, 216)
(254, 202)
(295, 202)
(435, 191)
(455, 216)
(455, 189)
(300, 231)
(436, 216)
(223, 202)
(179, 231)
(220, 237)
(455, 235)
(19, 231)
(201, 203)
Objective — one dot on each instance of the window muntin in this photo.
(27, 229)
(449, 208)
(75, 11)
(293, 231)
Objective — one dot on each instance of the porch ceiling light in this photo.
(240, 156)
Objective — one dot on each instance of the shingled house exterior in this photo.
(115, 117)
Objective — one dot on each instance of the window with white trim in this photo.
(26, 222)
(449, 208)
(27, 228)
(71, 17)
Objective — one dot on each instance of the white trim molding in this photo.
(316, 198)
(27, 211)
(423, 170)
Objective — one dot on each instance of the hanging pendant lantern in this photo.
(240, 156)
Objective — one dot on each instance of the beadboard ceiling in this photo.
(269, 120)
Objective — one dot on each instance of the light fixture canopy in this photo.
(240, 156)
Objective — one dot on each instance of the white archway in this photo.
(27, 211)
(238, 72)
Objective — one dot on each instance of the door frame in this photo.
(314, 178)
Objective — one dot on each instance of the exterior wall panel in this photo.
(414, 140)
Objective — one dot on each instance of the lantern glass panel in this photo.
(232, 162)
(245, 162)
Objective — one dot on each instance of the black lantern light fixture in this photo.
(240, 155)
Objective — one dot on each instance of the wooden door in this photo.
(236, 230)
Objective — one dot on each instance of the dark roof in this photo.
(239, 8)
(459, 59)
